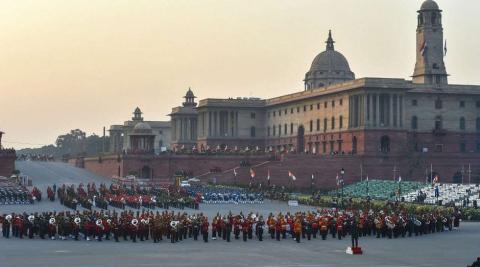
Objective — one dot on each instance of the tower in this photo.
(189, 99)
(429, 66)
(137, 115)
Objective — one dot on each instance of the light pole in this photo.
(469, 174)
(342, 172)
(463, 171)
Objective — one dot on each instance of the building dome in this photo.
(330, 60)
(142, 128)
(328, 67)
(429, 5)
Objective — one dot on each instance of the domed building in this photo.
(139, 136)
(328, 67)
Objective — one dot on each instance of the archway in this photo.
(354, 145)
(385, 144)
(301, 139)
(146, 172)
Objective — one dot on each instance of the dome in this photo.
(142, 127)
(330, 60)
(429, 5)
(189, 93)
(328, 67)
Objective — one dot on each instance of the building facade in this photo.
(139, 136)
(338, 114)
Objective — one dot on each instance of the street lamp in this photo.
(342, 172)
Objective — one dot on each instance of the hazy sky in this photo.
(68, 64)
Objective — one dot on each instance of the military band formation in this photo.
(174, 227)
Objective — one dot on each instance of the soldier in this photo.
(205, 225)
(6, 226)
(195, 228)
(259, 228)
(354, 232)
(297, 229)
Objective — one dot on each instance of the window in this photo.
(298, 109)
(252, 131)
(318, 124)
(478, 146)
(318, 105)
(279, 130)
(291, 111)
(268, 114)
(325, 104)
(340, 123)
(477, 124)
(385, 144)
(333, 123)
(438, 104)
(291, 128)
(279, 113)
(325, 123)
(341, 102)
(463, 147)
(462, 123)
(438, 147)
(477, 104)
(268, 131)
(274, 130)
(354, 145)
(304, 108)
(311, 126)
(160, 132)
(286, 112)
(462, 103)
(285, 129)
(252, 115)
(274, 113)
(438, 123)
(414, 122)
(333, 103)
(311, 107)
(414, 102)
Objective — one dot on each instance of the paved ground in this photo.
(456, 248)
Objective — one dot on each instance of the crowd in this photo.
(121, 197)
(149, 225)
(224, 195)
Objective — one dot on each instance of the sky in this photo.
(88, 64)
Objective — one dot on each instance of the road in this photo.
(455, 248)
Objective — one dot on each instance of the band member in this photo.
(354, 232)
(259, 228)
(297, 229)
(205, 225)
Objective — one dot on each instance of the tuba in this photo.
(52, 220)
(173, 224)
(77, 220)
(389, 223)
(134, 222)
(417, 222)
(8, 217)
(31, 218)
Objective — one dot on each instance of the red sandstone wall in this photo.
(7, 165)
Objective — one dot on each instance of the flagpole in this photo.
(361, 173)
(431, 172)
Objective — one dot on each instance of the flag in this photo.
(445, 48)
(367, 178)
(423, 48)
(313, 176)
(235, 171)
(399, 179)
(435, 179)
(252, 173)
(338, 180)
(291, 175)
(268, 174)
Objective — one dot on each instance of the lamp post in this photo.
(342, 173)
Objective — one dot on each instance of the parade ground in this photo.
(455, 248)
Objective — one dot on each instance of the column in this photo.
(209, 124)
(236, 123)
(390, 97)
(377, 109)
(400, 113)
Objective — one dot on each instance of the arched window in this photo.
(462, 123)
(385, 144)
(438, 123)
(333, 123)
(252, 131)
(477, 126)
(414, 122)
